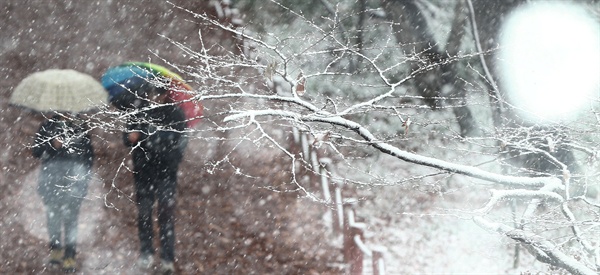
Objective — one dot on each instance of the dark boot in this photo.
(69, 264)
(56, 254)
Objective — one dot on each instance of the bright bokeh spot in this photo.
(549, 60)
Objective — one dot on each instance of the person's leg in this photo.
(51, 197)
(166, 194)
(53, 223)
(76, 181)
(70, 221)
(54, 218)
(70, 217)
(145, 200)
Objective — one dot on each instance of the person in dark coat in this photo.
(156, 134)
(64, 146)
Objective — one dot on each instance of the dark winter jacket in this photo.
(162, 137)
(77, 145)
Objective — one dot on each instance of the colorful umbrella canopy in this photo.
(126, 76)
(59, 91)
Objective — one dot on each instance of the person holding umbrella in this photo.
(155, 132)
(63, 144)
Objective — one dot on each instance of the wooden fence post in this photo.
(338, 212)
(356, 251)
(332, 196)
(347, 237)
(378, 260)
(354, 248)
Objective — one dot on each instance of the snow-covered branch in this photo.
(530, 182)
(543, 249)
(499, 195)
(306, 78)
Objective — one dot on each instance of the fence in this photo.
(343, 215)
(343, 219)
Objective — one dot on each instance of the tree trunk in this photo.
(438, 83)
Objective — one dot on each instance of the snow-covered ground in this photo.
(104, 259)
(430, 241)
(428, 234)
(426, 227)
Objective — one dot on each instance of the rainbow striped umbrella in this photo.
(125, 76)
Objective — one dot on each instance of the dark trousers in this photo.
(62, 186)
(156, 181)
(63, 215)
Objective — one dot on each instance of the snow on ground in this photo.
(423, 236)
(425, 223)
(106, 259)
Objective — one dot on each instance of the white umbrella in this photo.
(59, 90)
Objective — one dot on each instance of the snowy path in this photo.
(225, 225)
(97, 251)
